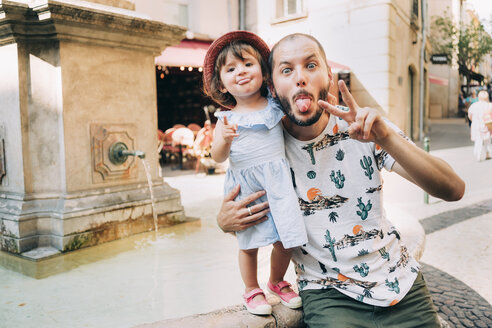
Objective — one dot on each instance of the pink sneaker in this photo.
(289, 299)
(260, 307)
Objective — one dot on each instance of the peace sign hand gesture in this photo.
(365, 124)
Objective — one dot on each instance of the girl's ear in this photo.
(222, 88)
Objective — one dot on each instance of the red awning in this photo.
(434, 79)
(187, 53)
(336, 67)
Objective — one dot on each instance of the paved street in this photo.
(150, 277)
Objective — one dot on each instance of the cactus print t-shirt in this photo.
(351, 245)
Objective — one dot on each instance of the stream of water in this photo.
(146, 166)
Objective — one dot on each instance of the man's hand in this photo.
(365, 124)
(229, 131)
(428, 172)
(234, 215)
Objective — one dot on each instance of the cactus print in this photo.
(328, 140)
(351, 247)
(393, 286)
(339, 179)
(363, 269)
(366, 163)
(364, 208)
(311, 174)
(340, 155)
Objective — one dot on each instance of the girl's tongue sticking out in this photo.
(303, 103)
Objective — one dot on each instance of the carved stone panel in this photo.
(103, 136)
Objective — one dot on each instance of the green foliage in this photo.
(467, 44)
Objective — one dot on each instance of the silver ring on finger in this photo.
(249, 210)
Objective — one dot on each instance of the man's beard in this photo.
(287, 108)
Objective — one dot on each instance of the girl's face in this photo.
(241, 78)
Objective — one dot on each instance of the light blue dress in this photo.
(257, 162)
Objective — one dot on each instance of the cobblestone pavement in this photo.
(458, 304)
(445, 219)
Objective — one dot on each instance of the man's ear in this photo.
(330, 76)
(272, 89)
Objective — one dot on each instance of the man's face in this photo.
(300, 78)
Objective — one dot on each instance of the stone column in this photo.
(75, 79)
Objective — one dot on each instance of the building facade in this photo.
(443, 74)
(380, 40)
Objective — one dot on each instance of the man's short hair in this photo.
(292, 37)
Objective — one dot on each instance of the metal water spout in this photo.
(136, 153)
(118, 153)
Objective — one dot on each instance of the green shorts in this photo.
(330, 308)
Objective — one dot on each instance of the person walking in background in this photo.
(479, 132)
(489, 90)
(250, 135)
(472, 98)
(462, 110)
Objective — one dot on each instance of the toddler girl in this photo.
(251, 136)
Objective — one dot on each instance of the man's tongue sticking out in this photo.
(303, 103)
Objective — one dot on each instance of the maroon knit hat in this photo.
(213, 51)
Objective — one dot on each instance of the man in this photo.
(354, 271)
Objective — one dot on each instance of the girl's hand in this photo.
(229, 131)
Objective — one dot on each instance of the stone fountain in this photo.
(77, 100)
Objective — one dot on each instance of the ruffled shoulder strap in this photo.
(269, 116)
